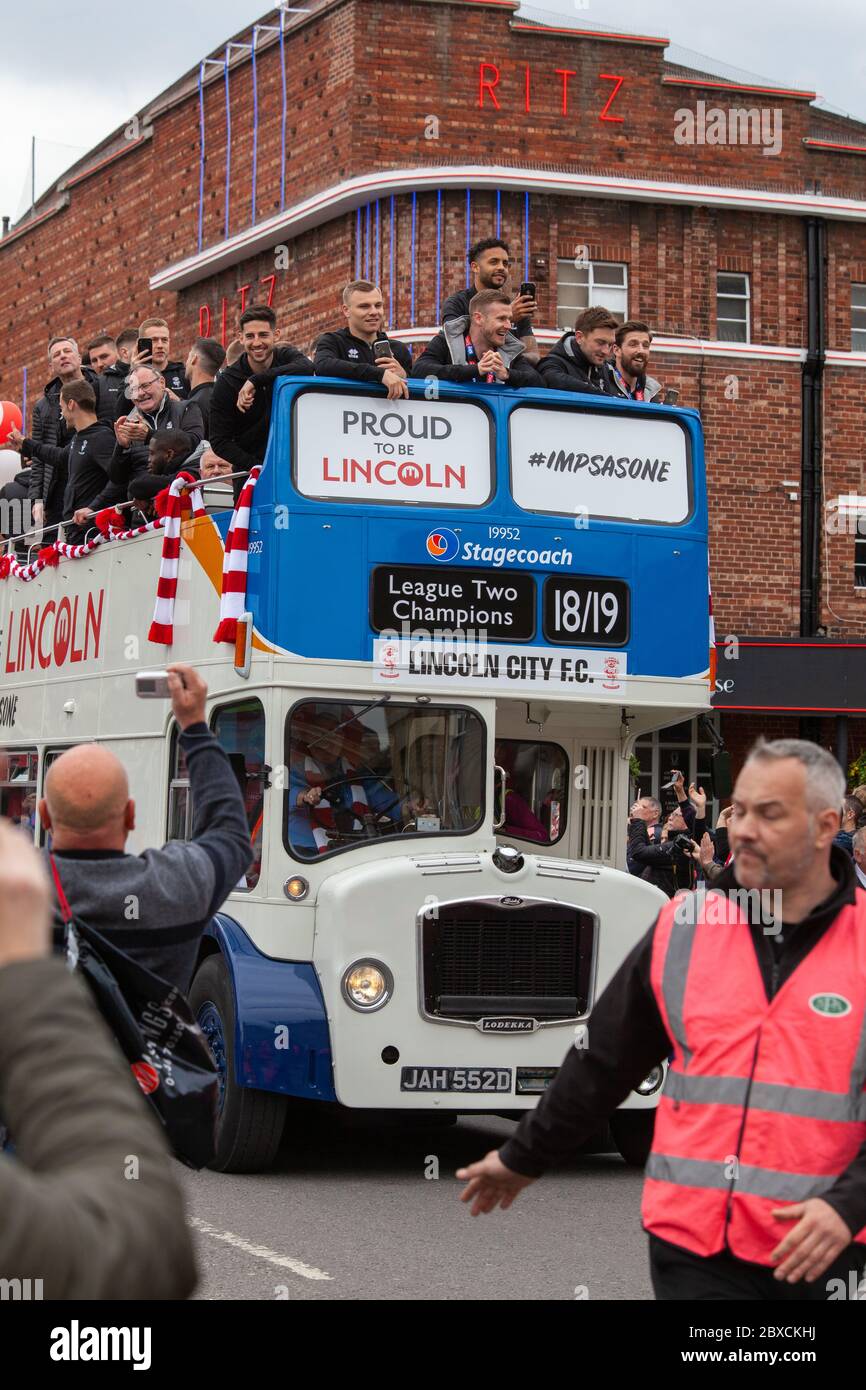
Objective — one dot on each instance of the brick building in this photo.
(378, 137)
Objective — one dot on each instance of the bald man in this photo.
(154, 905)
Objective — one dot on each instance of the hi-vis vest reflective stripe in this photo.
(764, 1103)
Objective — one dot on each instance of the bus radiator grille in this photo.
(480, 958)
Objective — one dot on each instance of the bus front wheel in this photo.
(632, 1132)
(250, 1123)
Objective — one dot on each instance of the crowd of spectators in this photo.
(91, 430)
(678, 851)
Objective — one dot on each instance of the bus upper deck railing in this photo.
(45, 532)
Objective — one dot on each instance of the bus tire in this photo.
(250, 1123)
(632, 1132)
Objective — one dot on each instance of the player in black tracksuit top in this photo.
(342, 354)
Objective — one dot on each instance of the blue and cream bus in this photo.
(462, 610)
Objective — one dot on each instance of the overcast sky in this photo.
(71, 73)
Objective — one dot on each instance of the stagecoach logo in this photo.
(831, 1005)
(507, 1025)
(442, 544)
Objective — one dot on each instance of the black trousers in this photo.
(678, 1274)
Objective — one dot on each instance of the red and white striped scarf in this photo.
(234, 587)
(162, 627)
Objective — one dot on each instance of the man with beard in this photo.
(629, 370)
(756, 1183)
(489, 266)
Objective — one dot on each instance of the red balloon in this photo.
(10, 419)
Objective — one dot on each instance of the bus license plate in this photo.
(455, 1079)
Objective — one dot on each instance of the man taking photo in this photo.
(756, 1183)
(177, 888)
(489, 269)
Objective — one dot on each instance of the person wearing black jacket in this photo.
(46, 484)
(665, 863)
(104, 360)
(489, 266)
(240, 407)
(785, 815)
(205, 358)
(479, 348)
(153, 409)
(580, 360)
(168, 454)
(83, 463)
(349, 351)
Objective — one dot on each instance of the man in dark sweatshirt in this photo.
(81, 465)
(729, 997)
(580, 361)
(154, 905)
(349, 352)
(479, 348)
(240, 407)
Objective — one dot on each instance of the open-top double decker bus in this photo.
(462, 610)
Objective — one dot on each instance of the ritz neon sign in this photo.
(490, 88)
(206, 319)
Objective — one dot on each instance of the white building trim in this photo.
(345, 197)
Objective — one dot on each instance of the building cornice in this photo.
(600, 35)
(717, 84)
(336, 201)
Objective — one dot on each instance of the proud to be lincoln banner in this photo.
(352, 448)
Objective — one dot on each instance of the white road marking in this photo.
(261, 1252)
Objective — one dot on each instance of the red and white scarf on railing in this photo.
(234, 588)
(109, 523)
(162, 627)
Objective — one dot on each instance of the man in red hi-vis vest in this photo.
(756, 990)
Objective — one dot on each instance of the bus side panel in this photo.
(282, 1041)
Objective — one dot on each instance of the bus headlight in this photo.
(367, 985)
(651, 1083)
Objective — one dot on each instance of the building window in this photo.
(685, 747)
(860, 554)
(732, 307)
(597, 282)
(858, 318)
